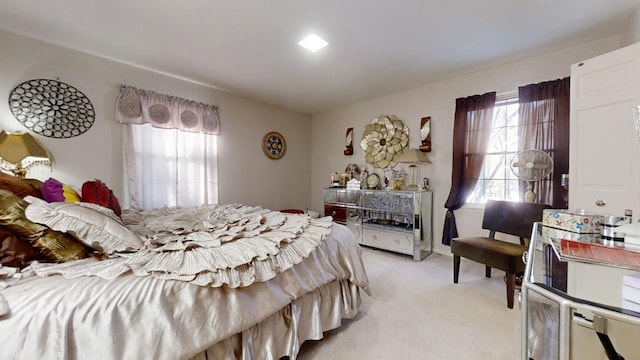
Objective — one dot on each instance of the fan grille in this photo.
(531, 165)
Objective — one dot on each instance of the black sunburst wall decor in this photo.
(51, 108)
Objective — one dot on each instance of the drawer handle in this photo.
(601, 203)
(525, 254)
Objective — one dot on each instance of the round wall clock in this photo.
(274, 145)
(51, 108)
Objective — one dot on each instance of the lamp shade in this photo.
(413, 156)
(19, 151)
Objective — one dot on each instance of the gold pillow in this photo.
(20, 187)
(56, 246)
(60, 247)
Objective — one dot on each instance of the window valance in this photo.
(138, 106)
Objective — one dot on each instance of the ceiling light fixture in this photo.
(313, 43)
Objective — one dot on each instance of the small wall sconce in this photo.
(19, 151)
(349, 142)
(425, 134)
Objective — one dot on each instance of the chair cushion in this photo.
(497, 254)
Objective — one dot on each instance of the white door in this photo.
(604, 157)
(604, 176)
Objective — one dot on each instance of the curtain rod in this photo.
(507, 95)
(180, 99)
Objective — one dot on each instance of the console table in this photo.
(393, 220)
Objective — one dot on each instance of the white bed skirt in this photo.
(131, 317)
(282, 334)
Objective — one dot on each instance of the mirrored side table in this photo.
(560, 322)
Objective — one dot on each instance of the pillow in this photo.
(55, 191)
(92, 227)
(60, 247)
(97, 192)
(20, 187)
(37, 185)
(16, 252)
(55, 246)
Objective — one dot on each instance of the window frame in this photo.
(505, 99)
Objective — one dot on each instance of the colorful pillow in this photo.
(55, 191)
(55, 246)
(94, 228)
(16, 252)
(20, 187)
(97, 192)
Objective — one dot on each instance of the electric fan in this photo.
(531, 165)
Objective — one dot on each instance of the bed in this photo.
(213, 282)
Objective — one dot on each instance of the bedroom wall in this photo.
(438, 101)
(246, 175)
(632, 35)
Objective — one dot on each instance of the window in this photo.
(496, 181)
(486, 125)
(172, 167)
(170, 149)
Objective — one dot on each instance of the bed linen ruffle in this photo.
(233, 245)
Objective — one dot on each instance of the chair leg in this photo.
(511, 285)
(487, 271)
(456, 268)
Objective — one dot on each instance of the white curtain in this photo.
(170, 149)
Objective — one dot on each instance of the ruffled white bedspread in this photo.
(215, 245)
(146, 317)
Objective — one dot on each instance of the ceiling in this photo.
(377, 47)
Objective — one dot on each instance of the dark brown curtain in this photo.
(544, 125)
(471, 133)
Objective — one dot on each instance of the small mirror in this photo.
(425, 134)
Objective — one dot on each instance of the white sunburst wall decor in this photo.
(383, 141)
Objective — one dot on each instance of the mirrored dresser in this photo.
(393, 220)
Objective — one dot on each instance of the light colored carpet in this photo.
(417, 312)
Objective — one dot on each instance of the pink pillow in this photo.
(55, 191)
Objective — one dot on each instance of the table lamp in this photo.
(413, 156)
(19, 151)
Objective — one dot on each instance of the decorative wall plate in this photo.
(51, 108)
(383, 141)
(274, 145)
